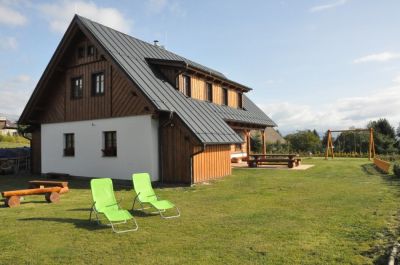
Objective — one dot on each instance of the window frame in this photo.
(94, 83)
(187, 90)
(225, 93)
(109, 145)
(209, 92)
(90, 51)
(81, 52)
(73, 87)
(69, 144)
(240, 100)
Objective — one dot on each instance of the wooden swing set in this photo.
(329, 144)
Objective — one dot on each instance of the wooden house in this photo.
(109, 105)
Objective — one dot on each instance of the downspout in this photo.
(203, 147)
(160, 156)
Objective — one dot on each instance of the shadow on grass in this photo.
(79, 223)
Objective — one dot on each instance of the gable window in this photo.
(76, 87)
(98, 84)
(209, 92)
(90, 50)
(110, 143)
(81, 52)
(240, 101)
(187, 89)
(225, 96)
(69, 144)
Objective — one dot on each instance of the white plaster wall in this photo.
(137, 147)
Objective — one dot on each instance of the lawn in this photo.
(13, 145)
(338, 212)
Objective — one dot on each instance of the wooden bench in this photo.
(382, 165)
(49, 183)
(290, 160)
(13, 198)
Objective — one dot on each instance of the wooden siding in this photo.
(198, 85)
(36, 152)
(121, 97)
(214, 162)
(176, 149)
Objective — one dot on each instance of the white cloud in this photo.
(60, 13)
(8, 43)
(9, 16)
(320, 8)
(341, 114)
(378, 57)
(14, 93)
(159, 6)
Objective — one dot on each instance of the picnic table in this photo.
(291, 160)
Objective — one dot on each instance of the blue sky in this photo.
(312, 64)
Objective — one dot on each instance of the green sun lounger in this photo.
(104, 202)
(146, 195)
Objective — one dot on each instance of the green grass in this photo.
(13, 145)
(338, 212)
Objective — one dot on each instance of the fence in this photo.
(14, 160)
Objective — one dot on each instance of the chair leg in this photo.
(172, 216)
(124, 231)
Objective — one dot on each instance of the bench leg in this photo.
(13, 201)
(52, 197)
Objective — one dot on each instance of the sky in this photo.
(312, 64)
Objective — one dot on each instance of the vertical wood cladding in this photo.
(176, 148)
(121, 97)
(214, 162)
(36, 152)
(198, 85)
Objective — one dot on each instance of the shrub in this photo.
(396, 169)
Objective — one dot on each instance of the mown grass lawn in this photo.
(338, 212)
(13, 145)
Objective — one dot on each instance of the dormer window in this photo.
(240, 100)
(209, 92)
(187, 89)
(90, 50)
(225, 96)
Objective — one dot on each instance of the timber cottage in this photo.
(109, 105)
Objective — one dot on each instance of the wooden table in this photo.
(48, 183)
(273, 159)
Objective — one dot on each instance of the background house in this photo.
(8, 127)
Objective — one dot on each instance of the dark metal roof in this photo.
(130, 54)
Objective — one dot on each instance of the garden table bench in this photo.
(49, 183)
(13, 198)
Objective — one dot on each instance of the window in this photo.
(90, 50)
(187, 90)
(81, 52)
(209, 92)
(98, 84)
(69, 144)
(240, 101)
(76, 87)
(224, 96)
(110, 143)
(238, 147)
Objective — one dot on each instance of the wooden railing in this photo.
(384, 166)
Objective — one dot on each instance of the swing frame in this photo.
(329, 144)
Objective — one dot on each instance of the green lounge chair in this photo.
(146, 195)
(104, 202)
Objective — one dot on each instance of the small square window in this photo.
(110, 143)
(81, 52)
(69, 144)
(209, 92)
(76, 87)
(98, 84)
(90, 50)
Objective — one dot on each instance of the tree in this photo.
(304, 141)
(255, 142)
(398, 131)
(384, 136)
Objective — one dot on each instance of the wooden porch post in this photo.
(247, 143)
(264, 147)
